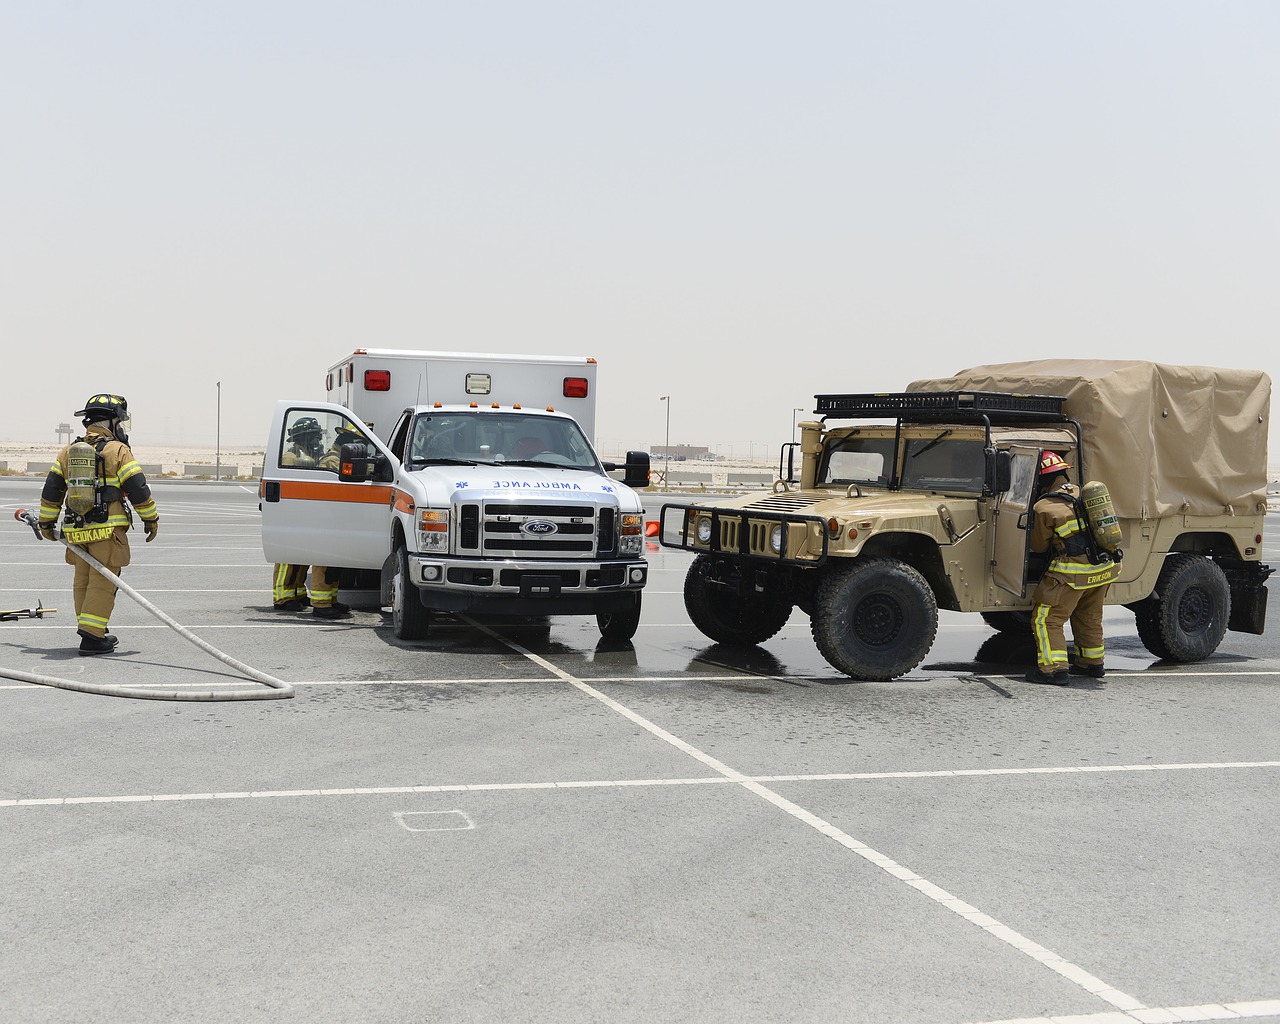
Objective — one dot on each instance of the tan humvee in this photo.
(919, 500)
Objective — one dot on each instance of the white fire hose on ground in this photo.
(276, 688)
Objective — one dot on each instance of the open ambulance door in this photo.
(309, 516)
(1013, 529)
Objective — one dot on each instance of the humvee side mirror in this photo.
(999, 474)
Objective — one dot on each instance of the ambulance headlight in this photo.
(703, 530)
(630, 533)
(433, 530)
(775, 539)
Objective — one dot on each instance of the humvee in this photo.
(914, 501)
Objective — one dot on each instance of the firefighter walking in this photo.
(98, 479)
(1074, 585)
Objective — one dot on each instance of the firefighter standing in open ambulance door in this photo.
(1075, 583)
(289, 582)
(98, 479)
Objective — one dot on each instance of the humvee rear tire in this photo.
(875, 619)
(1008, 622)
(1189, 619)
(721, 613)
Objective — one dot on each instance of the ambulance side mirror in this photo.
(354, 464)
(635, 469)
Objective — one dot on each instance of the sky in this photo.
(736, 204)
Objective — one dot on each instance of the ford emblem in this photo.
(538, 528)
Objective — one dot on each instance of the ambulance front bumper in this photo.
(523, 587)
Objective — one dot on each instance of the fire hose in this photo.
(276, 688)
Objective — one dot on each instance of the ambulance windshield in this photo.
(499, 437)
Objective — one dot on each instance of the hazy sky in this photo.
(738, 204)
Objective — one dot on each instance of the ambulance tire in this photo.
(1189, 618)
(1008, 622)
(875, 619)
(409, 619)
(620, 625)
(722, 614)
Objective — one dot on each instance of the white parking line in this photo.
(701, 780)
(1162, 1014)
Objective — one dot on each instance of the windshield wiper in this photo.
(936, 440)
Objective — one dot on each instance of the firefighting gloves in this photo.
(152, 526)
(48, 531)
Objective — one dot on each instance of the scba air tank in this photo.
(1101, 514)
(82, 464)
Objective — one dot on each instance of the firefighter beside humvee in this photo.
(920, 500)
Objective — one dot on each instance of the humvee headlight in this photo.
(775, 538)
(703, 530)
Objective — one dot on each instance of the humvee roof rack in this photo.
(991, 407)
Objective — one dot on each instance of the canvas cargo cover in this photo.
(1166, 440)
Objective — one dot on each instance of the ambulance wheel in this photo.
(875, 619)
(409, 618)
(619, 625)
(1186, 618)
(723, 614)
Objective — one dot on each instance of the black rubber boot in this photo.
(1096, 671)
(90, 644)
(1060, 678)
(337, 610)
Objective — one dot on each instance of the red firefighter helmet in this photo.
(1051, 462)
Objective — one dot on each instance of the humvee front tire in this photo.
(1189, 619)
(721, 612)
(875, 619)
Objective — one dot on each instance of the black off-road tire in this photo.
(1008, 622)
(875, 619)
(409, 619)
(725, 616)
(619, 625)
(1190, 618)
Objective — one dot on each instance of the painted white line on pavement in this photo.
(1162, 1014)
(1071, 972)
(718, 779)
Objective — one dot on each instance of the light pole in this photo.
(217, 441)
(793, 422)
(667, 446)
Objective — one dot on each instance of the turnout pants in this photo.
(94, 595)
(290, 582)
(1056, 603)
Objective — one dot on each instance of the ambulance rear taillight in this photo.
(377, 380)
(575, 387)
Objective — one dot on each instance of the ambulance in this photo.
(468, 483)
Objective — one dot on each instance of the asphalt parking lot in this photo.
(527, 824)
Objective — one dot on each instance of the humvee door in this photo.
(1013, 528)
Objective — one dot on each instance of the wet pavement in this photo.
(524, 822)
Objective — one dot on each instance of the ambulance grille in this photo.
(542, 530)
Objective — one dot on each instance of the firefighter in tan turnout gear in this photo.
(289, 582)
(1075, 583)
(98, 479)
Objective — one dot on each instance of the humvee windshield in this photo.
(934, 463)
(939, 464)
(858, 460)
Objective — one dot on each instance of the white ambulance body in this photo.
(378, 383)
(461, 506)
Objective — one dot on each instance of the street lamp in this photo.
(217, 441)
(793, 422)
(667, 446)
